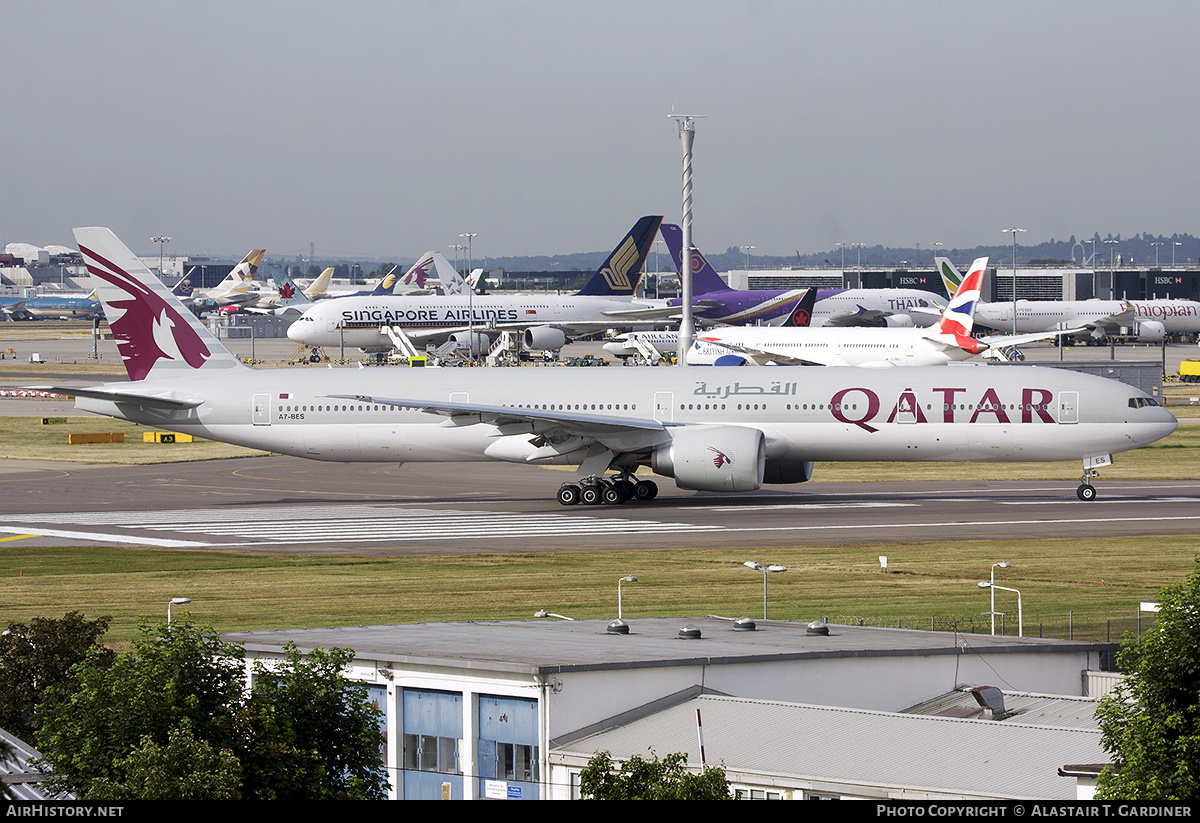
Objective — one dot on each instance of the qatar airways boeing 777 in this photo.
(719, 430)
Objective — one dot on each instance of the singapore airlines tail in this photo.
(154, 332)
(622, 270)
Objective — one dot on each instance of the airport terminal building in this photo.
(513, 710)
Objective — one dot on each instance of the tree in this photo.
(36, 656)
(184, 769)
(174, 675)
(1151, 722)
(311, 734)
(641, 779)
(172, 718)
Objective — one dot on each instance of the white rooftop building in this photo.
(514, 709)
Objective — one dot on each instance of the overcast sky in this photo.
(388, 128)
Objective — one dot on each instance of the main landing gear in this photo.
(592, 491)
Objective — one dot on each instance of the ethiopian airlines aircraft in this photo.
(719, 430)
(1146, 319)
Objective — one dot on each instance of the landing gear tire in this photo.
(614, 495)
(1086, 492)
(590, 495)
(569, 494)
(645, 490)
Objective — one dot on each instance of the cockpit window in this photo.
(1142, 402)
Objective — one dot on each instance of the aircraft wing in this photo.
(661, 312)
(996, 340)
(762, 358)
(465, 414)
(862, 317)
(149, 401)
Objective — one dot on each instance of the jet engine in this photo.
(713, 458)
(1151, 330)
(898, 321)
(462, 340)
(543, 338)
(788, 471)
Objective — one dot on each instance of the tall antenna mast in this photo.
(687, 327)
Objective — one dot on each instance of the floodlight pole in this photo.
(1014, 289)
(687, 327)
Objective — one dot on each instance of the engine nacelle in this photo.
(1151, 330)
(713, 458)
(788, 471)
(543, 338)
(462, 340)
(898, 321)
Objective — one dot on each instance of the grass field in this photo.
(1097, 584)
(1091, 581)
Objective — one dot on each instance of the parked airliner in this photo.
(548, 320)
(718, 430)
(718, 303)
(1145, 319)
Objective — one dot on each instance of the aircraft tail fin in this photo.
(186, 285)
(387, 282)
(801, 314)
(414, 279)
(951, 277)
(289, 292)
(317, 288)
(705, 279)
(622, 270)
(452, 282)
(154, 332)
(959, 317)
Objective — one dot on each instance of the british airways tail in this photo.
(705, 279)
(155, 334)
(959, 316)
(620, 273)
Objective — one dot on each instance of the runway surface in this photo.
(292, 506)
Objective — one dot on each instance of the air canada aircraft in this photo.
(717, 430)
(546, 320)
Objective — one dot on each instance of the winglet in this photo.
(621, 271)
(154, 331)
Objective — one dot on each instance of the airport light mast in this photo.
(160, 240)
(1014, 234)
(687, 326)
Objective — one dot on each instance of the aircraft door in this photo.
(1068, 407)
(664, 406)
(261, 410)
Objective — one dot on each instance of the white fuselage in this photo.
(963, 413)
(828, 346)
(356, 321)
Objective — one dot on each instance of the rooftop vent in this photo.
(817, 627)
(618, 626)
(689, 632)
(744, 624)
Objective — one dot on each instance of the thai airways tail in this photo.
(705, 279)
(622, 270)
(155, 334)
